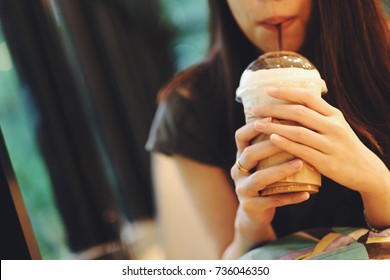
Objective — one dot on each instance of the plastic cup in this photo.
(273, 70)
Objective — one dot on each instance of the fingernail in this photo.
(276, 138)
(259, 125)
(297, 163)
(306, 196)
(266, 120)
(300, 197)
(257, 110)
(271, 90)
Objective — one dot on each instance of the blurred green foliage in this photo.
(190, 20)
(17, 123)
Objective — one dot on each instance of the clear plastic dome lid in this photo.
(281, 59)
(284, 68)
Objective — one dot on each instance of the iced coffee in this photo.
(272, 70)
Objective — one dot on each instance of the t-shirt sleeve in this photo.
(185, 126)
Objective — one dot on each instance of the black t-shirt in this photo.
(196, 126)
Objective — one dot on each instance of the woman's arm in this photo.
(212, 196)
(375, 192)
(235, 226)
(208, 191)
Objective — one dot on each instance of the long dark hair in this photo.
(353, 55)
(349, 44)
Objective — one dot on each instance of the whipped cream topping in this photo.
(278, 76)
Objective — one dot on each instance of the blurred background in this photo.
(78, 85)
(78, 82)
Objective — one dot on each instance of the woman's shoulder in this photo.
(187, 119)
(194, 83)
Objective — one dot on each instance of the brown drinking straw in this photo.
(279, 43)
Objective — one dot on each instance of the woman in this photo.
(345, 136)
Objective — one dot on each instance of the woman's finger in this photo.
(246, 133)
(301, 151)
(279, 200)
(251, 155)
(294, 112)
(258, 180)
(297, 134)
(302, 96)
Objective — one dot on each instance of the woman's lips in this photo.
(271, 23)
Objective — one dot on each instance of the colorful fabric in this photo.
(326, 244)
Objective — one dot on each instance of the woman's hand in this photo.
(324, 139)
(255, 213)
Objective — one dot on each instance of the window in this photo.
(85, 82)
